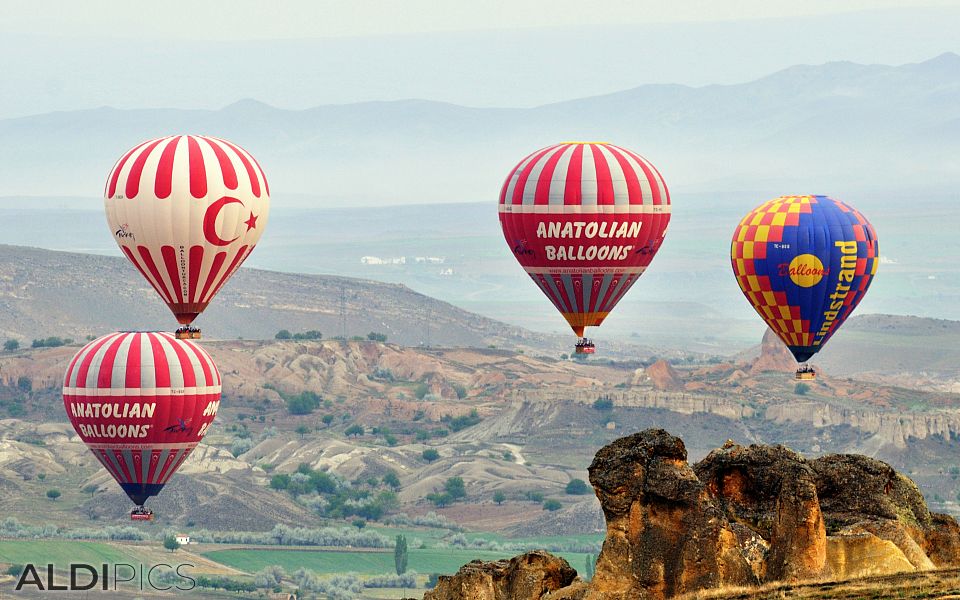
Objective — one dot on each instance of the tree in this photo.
(373, 336)
(327, 419)
(359, 523)
(354, 430)
(400, 555)
(302, 430)
(455, 487)
(430, 454)
(24, 384)
(499, 497)
(53, 494)
(552, 505)
(90, 489)
(392, 480)
(577, 487)
(170, 543)
(589, 567)
(283, 334)
(303, 403)
(11, 345)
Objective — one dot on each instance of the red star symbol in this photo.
(251, 222)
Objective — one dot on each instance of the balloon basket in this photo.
(585, 346)
(188, 333)
(141, 514)
(805, 374)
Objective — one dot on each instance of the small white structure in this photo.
(376, 260)
(182, 539)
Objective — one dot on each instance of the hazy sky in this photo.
(297, 54)
(256, 19)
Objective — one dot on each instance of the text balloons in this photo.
(584, 220)
(141, 402)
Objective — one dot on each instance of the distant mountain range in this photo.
(824, 129)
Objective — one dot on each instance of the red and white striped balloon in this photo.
(584, 220)
(187, 211)
(141, 401)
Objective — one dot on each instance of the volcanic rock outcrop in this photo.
(529, 576)
(742, 516)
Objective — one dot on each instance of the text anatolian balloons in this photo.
(804, 263)
(141, 402)
(187, 211)
(584, 220)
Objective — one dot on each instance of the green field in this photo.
(64, 552)
(443, 561)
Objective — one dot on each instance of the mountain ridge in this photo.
(769, 131)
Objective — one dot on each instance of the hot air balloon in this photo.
(187, 211)
(141, 401)
(804, 263)
(584, 219)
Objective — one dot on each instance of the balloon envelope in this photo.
(584, 220)
(804, 263)
(187, 211)
(141, 402)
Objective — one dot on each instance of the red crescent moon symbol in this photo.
(210, 221)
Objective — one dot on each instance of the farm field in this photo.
(443, 561)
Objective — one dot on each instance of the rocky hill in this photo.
(741, 517)
(503, 421)
(45, 293)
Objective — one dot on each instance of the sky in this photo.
(298, 19)
(298, 54)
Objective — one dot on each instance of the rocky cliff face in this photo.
(740, 517)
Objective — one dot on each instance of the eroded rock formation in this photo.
(530, 576)
(740, 517)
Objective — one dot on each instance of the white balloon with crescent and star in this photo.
(187, 210)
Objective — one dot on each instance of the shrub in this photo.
(430, 454)
(240, 445)
(303, 403)
(460, 390)
(577, 487)
(801, 389)
(313, 334)
(354, 430)
(377, 337)
(283, 334)
(552, 505)
(421, 390)
(10, 346)
(603, 403)
(280, 481)
(464, 421)
(534, 496)
(53, 494)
